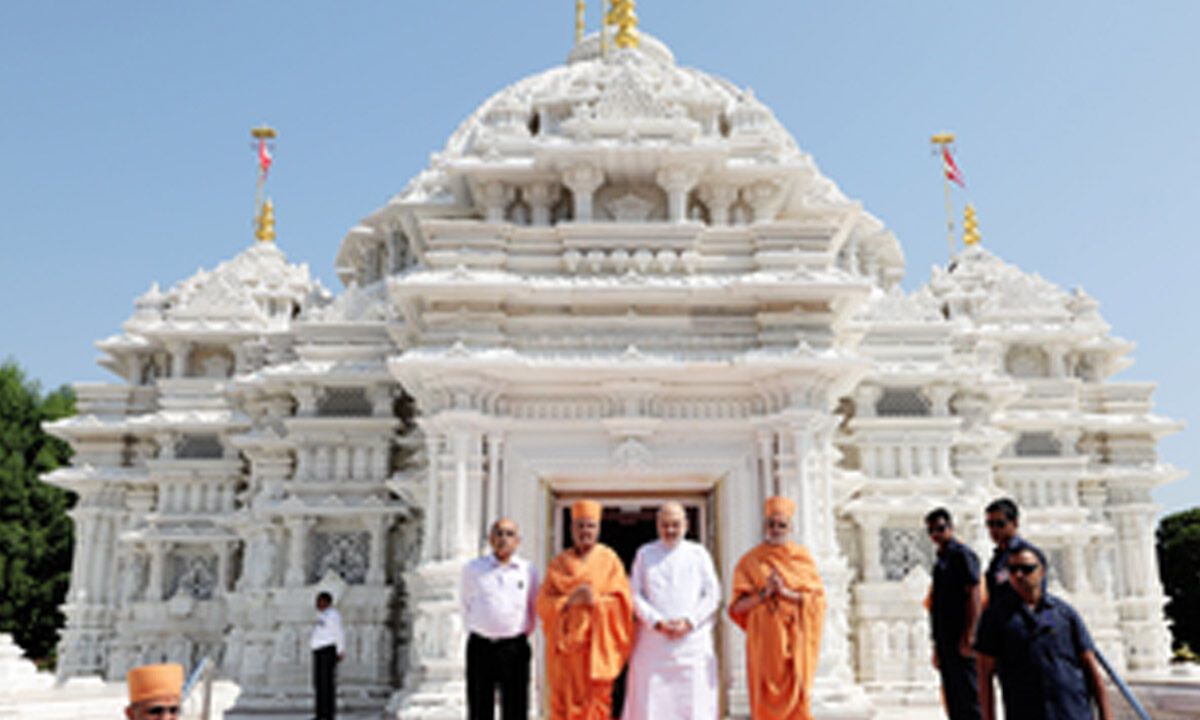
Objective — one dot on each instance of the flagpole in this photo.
(261, 134)
(942, 141)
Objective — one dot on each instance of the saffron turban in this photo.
(152, 681)
(586, 509)
(779, 505)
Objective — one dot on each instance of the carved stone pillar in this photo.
(377, 528)
(166, 445)
(495, 197)
(766, 462)
(298, 528)
(869, 527)
(541, 197)
(865, 398)
(431, 549)
(718, 198)
(583, 180)
(677, 182)
(496, 500)
(179, 357)
(158, 559)
(381, 397)
(939, 399)
(306, 400)
(762, 197)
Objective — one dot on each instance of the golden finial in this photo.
(266, 222)
(623, 16)
(579, 20)
(970, 227)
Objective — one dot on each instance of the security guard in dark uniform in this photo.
(953, 614)
(1039, 648)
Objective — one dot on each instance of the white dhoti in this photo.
(673, 678)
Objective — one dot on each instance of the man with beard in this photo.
(779, 600)
(673, 669)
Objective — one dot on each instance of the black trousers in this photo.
(324, 666)
(502, 664)
(958, 684)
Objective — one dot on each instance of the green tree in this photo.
(35, 531)
(1179, 567)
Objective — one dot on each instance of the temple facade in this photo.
(621, 279)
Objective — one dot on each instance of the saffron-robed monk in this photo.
(587, 617)
(779, 600)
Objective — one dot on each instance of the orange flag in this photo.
(586, 646)
(783, 639)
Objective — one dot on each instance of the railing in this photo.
(202, 675)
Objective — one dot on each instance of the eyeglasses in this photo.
(775, 524)
(1022, 568)
(160, 710)
(505, 533)
(997, 523)
(935, 529)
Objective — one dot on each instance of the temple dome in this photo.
(631, 96)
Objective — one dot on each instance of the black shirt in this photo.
(997, 570)
(956, 569)
(1037, 658)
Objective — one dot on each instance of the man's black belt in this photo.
(496, 641)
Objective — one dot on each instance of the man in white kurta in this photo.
(673, 669)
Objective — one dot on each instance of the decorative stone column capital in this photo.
(761, 196)
(542, 193)
(583, 178)
(541, 196)
(718, 198)
(494, 195)
(677, 178)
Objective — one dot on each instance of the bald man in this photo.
(673, 669)
(498, 594)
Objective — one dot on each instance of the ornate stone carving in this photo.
(343, 553)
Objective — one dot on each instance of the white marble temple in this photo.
(620, 277)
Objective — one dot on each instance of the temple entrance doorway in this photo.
(628, 521)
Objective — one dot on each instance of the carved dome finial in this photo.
(266, 222)
(623, 16)
(971, 236)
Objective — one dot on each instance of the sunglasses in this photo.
(160, 710)
(1022, 568)
(935, 529)
(775, 524)
(996, 523)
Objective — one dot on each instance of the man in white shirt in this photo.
(673, 669)
(328, 643)
(499, 592)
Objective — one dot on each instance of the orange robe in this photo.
(783, 639)
(586, 647)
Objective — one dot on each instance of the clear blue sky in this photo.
(124, 144)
